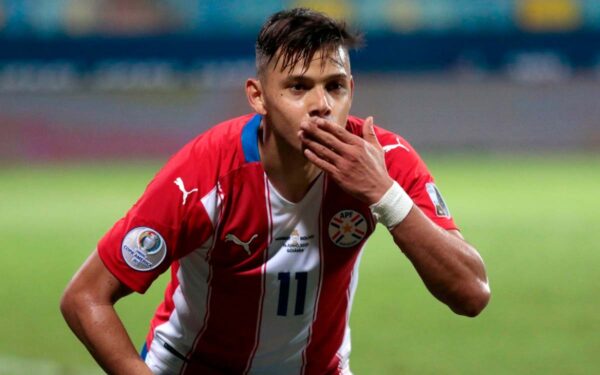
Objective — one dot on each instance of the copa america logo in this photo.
(143, 249)
(149, 241)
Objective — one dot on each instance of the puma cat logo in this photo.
(179, 183)
(246, 245)
(388, 148)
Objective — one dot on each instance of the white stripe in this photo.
(161, 361)
(217, 213)
(188, 315)
(293, 250)
(263, 269)
(211, 204)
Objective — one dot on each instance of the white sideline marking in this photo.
(29, 366)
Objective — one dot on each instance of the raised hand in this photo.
(356, 164)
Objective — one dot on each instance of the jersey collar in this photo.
(250, 139)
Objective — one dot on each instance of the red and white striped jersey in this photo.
(259, 285)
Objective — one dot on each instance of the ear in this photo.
(254, 93)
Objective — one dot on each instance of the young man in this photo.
(262, 220)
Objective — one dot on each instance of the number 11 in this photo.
(284, 292)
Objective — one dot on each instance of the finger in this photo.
(338, 131)
(323, 137)
(368, 131)
(320, 163)
(319, 149)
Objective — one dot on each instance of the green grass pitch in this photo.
(535, 221)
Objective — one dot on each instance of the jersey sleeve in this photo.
(167, 222)
(406, 167)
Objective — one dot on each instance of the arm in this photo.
(451, 269)
(88, 307)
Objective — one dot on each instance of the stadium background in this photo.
(500, 96)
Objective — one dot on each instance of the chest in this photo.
(258, 228)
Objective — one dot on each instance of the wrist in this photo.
(375, 195)
(393, 207)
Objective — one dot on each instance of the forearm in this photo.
(88, 307)
(102, 332)
(451, 269)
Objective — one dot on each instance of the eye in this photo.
(297, 87)
(336, 86)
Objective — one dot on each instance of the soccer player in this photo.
(262, 220)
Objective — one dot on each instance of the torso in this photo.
(273, 266)
(259, 285)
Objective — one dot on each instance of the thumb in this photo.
(369, 132)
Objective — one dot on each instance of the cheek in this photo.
(288, 107)
(280, 100)
(340, 113)
(343, 105)
(284, 111)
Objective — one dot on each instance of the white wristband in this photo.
(393, 207)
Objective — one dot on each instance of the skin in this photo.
(287, 99)
(88, 307)
(451, 269)
(302, 135)
(305, 113)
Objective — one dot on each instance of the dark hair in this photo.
(295, 35)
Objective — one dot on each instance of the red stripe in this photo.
(164, 311)
(209, 289)
(304, 370)
(264, 273)
(359, 231)
(337, 264)
(229, 338)
(355, 218)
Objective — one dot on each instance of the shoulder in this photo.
(209, 155)
(403, 162)
(406, 167)
(394, 145)
(220, 144)
(223, 139)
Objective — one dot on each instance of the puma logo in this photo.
(246, 245)
(179, 183)
(391, 147)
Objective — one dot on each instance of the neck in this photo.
(287, 168)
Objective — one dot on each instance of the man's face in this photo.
(324, 90)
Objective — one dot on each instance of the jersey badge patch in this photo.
(143, 249)
(441, 209)
(347, 228)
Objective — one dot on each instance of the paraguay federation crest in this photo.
(143, 249)
(347, 228)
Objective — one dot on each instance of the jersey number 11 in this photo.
(284, 292)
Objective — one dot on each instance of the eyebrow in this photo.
(302, 77)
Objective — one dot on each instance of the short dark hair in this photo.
(295, 36)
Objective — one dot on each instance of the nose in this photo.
(319, 105)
